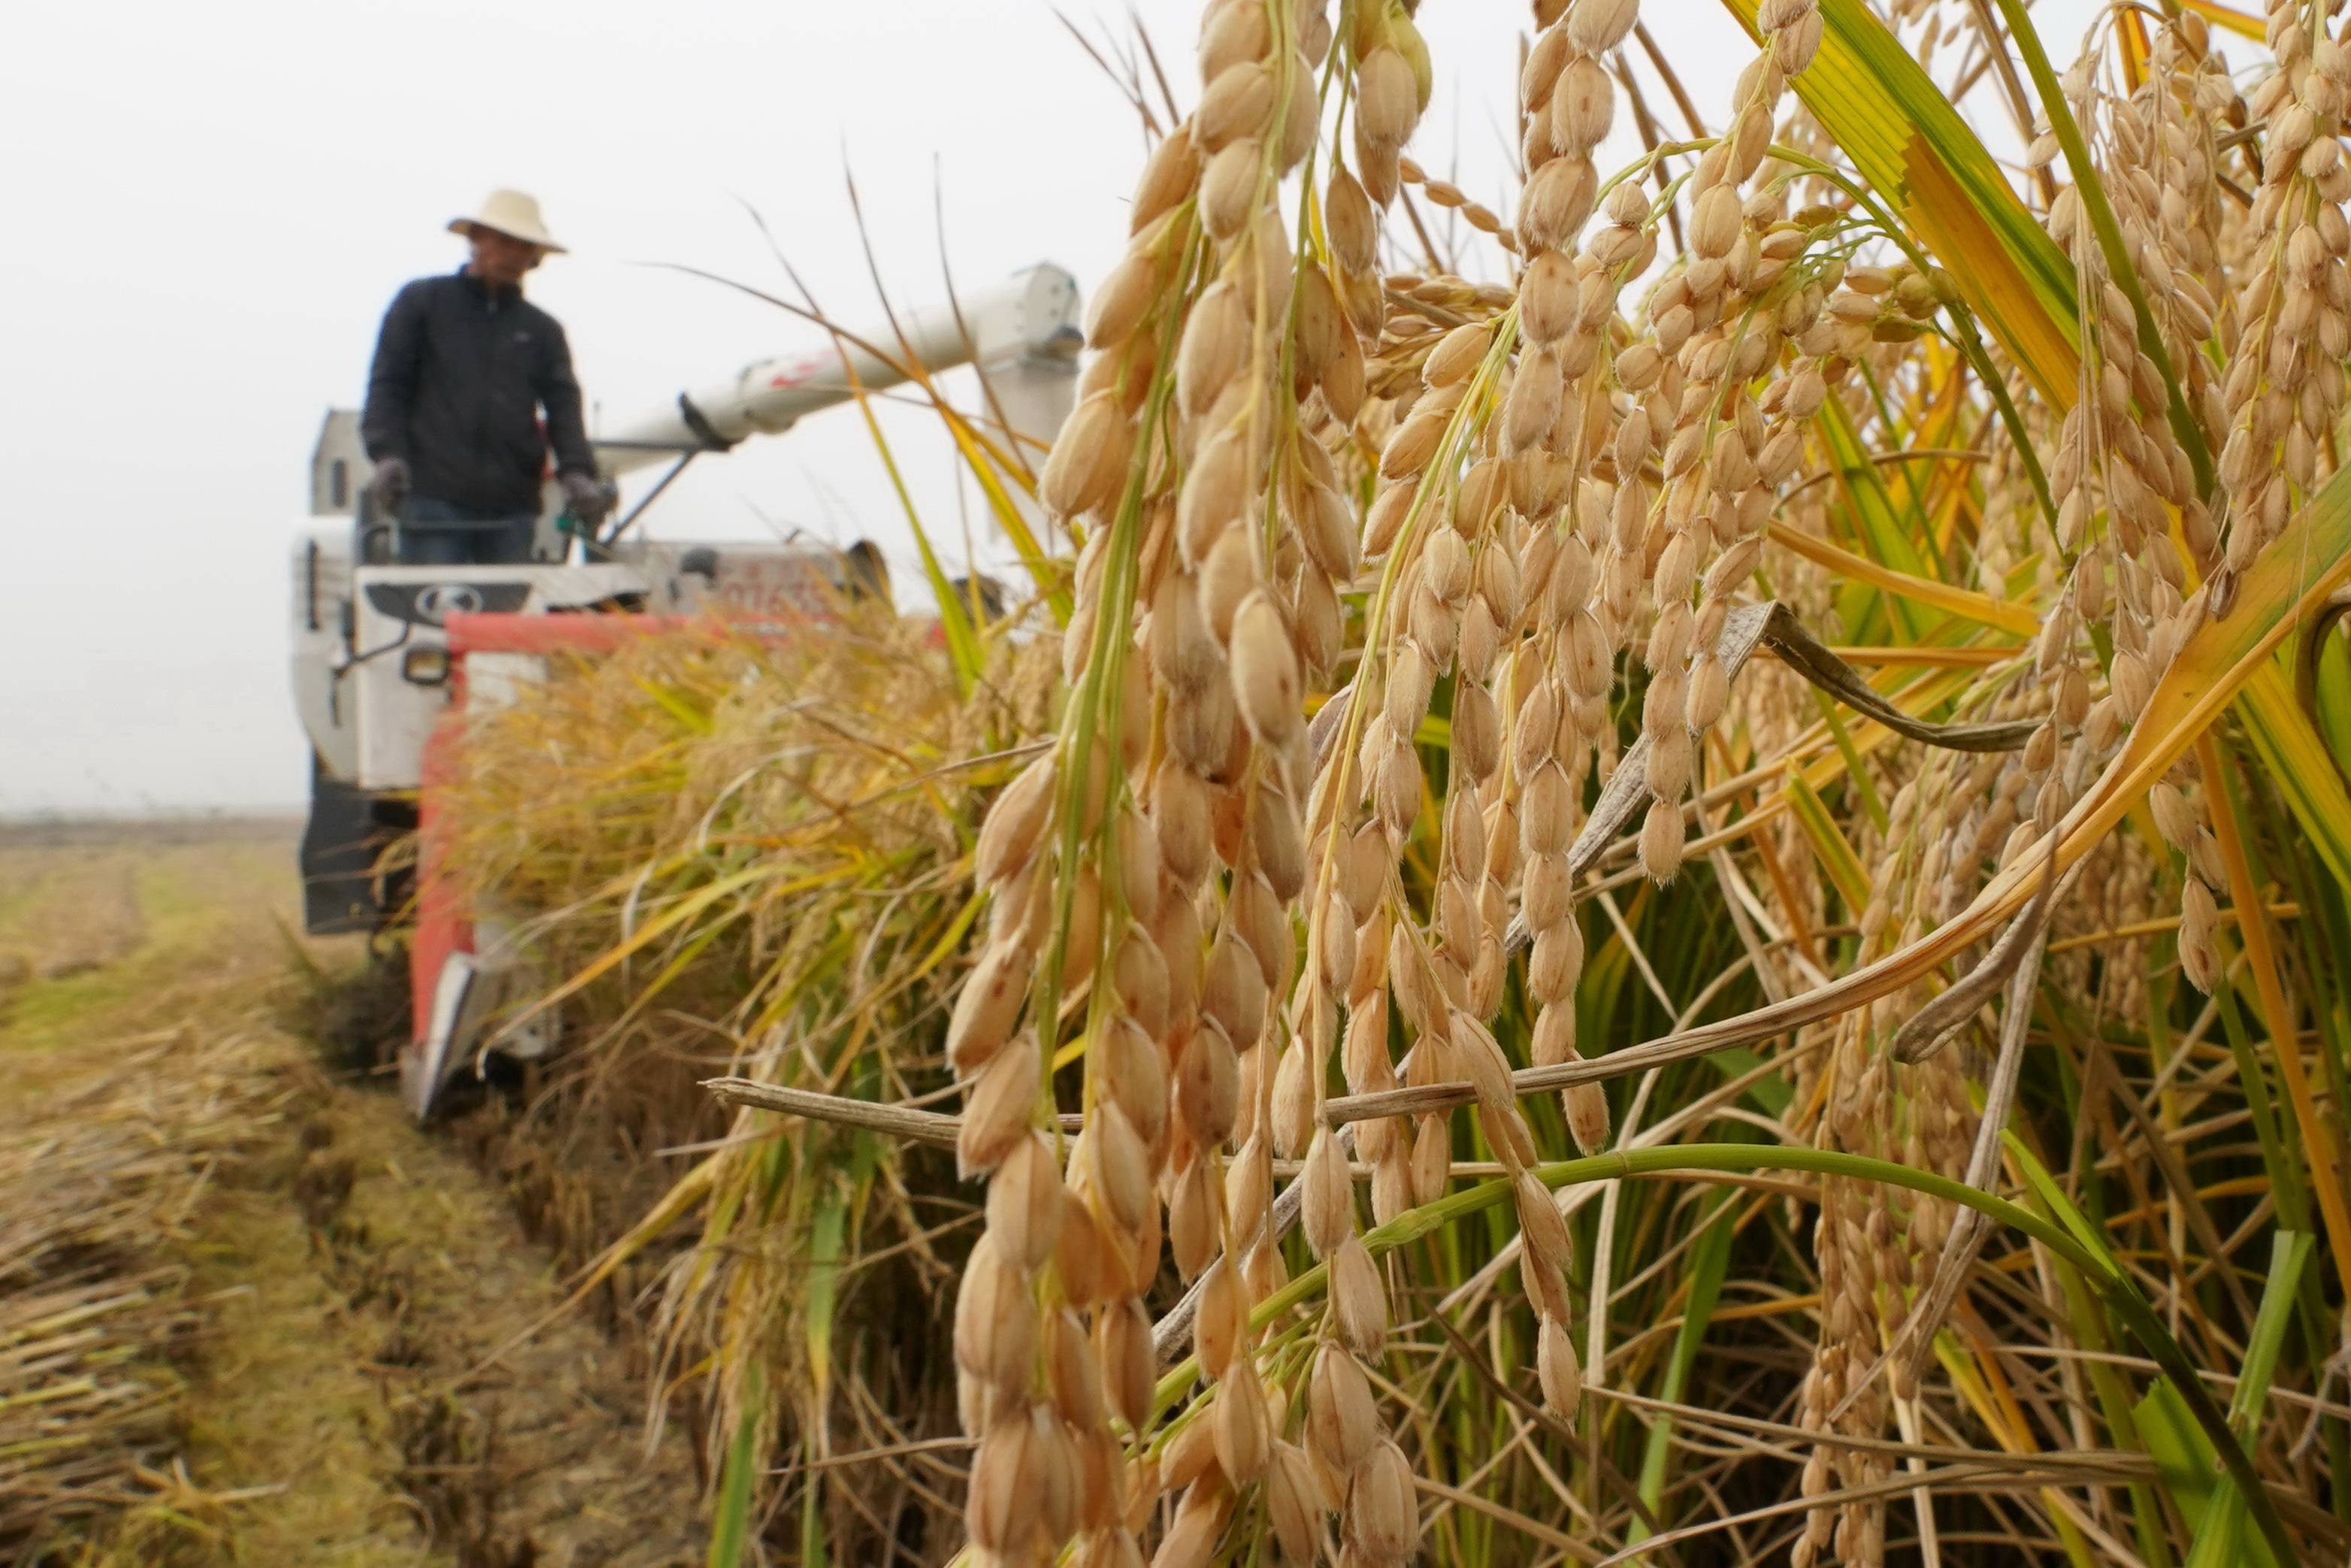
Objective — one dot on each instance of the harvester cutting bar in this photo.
(447, 1002)
(444, 924)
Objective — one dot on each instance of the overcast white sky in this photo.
(210, 205)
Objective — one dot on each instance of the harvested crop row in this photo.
(92, 1299)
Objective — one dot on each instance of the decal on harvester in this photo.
(442, 600)
(431, 603)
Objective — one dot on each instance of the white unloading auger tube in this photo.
(1023, 334)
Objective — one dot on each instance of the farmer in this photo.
(464, 368)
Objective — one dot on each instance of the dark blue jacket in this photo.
(462, 372)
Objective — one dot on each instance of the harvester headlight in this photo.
(425, 666)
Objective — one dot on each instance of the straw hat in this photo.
(512, 214)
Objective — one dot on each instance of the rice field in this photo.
(1653, 872)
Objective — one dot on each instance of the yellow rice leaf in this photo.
(2318, 1135)
(2132, 35)
(1995, 289)
(2230, 18)
(1880, 653)
(2284, 587)
(1965, 603)
(2292, 578)
(2297, 761)
(986, 465)
(1829, 845)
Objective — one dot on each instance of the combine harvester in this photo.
(388, 660)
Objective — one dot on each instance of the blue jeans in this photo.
(434, 532)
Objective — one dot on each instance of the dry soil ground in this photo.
(350, 1273)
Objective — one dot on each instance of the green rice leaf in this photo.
(1910, 145)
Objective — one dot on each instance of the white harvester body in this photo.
(371, 657)
(1024, 326)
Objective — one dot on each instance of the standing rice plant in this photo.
(1806, 661)
(750, 858)
(1811, 714)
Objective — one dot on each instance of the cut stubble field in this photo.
(247, 1313)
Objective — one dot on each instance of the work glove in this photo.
(586, 497)
(388, 486)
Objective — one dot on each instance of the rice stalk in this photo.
(779, 832)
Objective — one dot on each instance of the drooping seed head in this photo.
(1558, 1370)
(1000, 1108)
(1327, 1213)
(996, 1319)
(988, 1006)
(1024, 1203)
(1293, 1503)
(1359, 1301)
(1383, 1519)
(1244, 1425)
(1387, 100)
(1265, 670)
(1596, 27)
(1238, 102)
(1000, 1509)
(1343, 1422)
(1129, 1367)
(1167, 178)
(1220, 1320)
(1088, 459)
(1586, 1107)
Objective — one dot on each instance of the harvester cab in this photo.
(390, 661)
